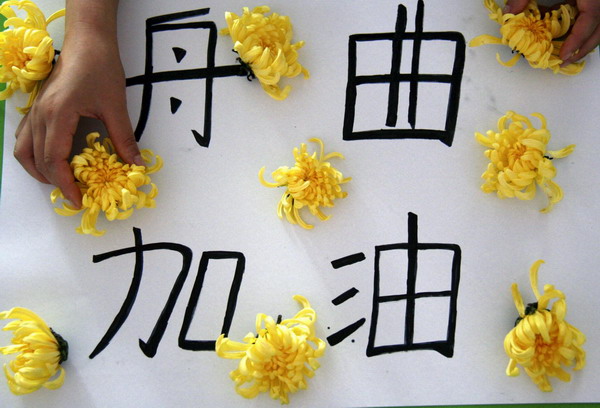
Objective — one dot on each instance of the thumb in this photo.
(515, 6)
(121, 134)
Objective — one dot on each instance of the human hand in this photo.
(585, 33)
(88, 80)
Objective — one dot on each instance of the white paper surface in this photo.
(210, 200)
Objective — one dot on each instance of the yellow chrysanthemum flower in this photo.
(26, 51)
(533, 36)
(542, 341)
(108, 185)
(519, 159)
(264, 45)
(41, 353)
(279, 358)
(312, 182)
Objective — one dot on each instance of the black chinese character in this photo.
(413, 78)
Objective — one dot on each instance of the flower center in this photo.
(535, 27)
(318, 191)
(266, 37)
(545, 352)
(527, 35)
(309, 174)
(516, 151)
(105, 177)
(266, 43)
(281, 364)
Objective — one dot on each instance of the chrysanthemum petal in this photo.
(58, 382)
(532, 35)
(279, 358)
(519, 159)
(27, 52)
(40, 353)
(312, 182)
(263, 43)
(542, 342)
(108, 185)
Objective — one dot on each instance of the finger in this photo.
(515, 6)
(585, 32)
(21, 125)
(23, 151)
(585, 48)
(590, 44)
(57, 149)
(38, 133)
(120, 132)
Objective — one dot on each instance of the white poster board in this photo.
(211, 200)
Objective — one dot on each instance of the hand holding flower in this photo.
(585, 34)
(88, 80)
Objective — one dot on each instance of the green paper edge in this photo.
(540, 405)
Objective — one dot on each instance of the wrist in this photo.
(91, 19)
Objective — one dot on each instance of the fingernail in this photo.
(565, 63)
(138, 160)
(74, 204)
(567, 60)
